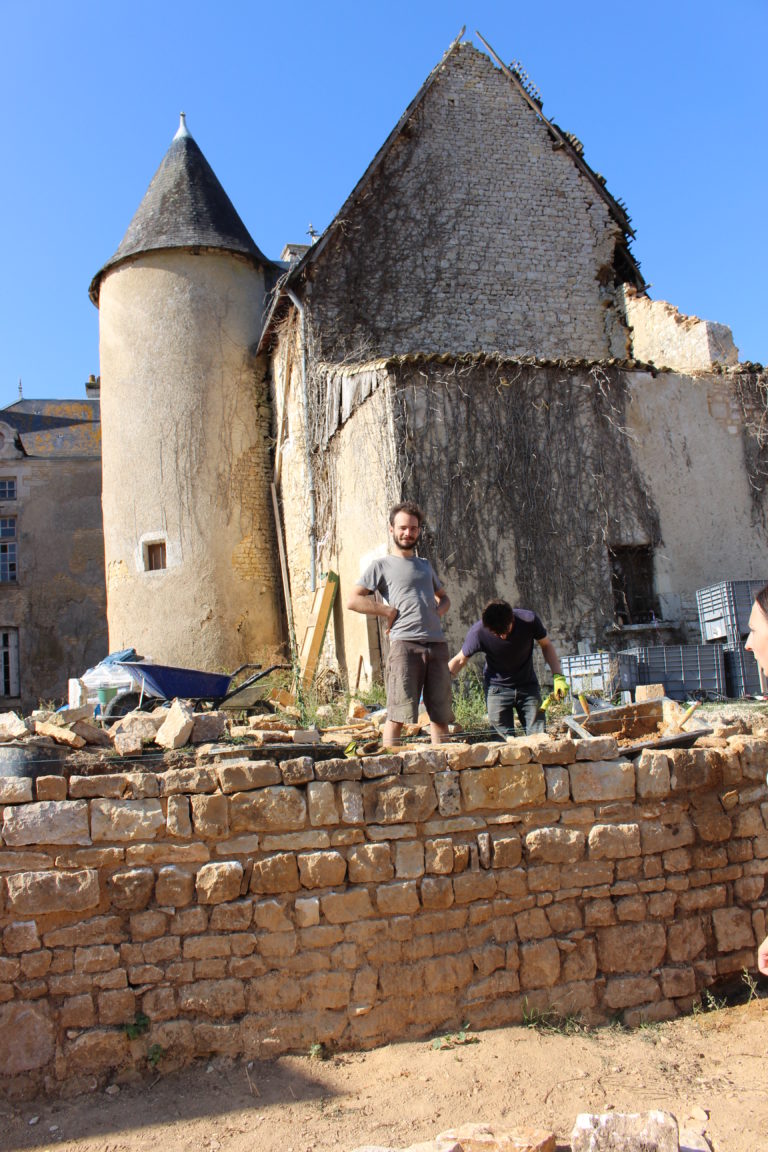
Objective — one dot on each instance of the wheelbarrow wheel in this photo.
(122, 704)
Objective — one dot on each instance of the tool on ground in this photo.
(688, 713)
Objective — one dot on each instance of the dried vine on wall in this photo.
(752, 392)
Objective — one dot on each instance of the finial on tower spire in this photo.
(182, 129)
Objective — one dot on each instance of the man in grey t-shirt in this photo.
(418, 654)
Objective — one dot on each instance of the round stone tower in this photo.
(188, 526)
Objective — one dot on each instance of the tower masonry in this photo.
(188, 526)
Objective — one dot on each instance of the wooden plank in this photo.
(283, 566)
(317, 626)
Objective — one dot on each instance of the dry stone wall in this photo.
(250, 907)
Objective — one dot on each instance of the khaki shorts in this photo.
(414, 668)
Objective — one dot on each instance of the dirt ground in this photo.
(710, 1070)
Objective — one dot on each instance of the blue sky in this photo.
(290, 102)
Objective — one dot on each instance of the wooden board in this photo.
(317, 626)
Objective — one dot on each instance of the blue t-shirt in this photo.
(508, 662)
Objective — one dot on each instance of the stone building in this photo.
(472, 330)
(52, 595)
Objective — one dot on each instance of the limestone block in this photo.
(515, 751)
(278, 873)
(21, 936)
(218, 883)
(49, 788)
(503, 786)
(346, 907)
(47, 822)
(117, 1007)
(439, 856)
(558, 785)
(694, 768)
(131, 888)
(95, 1052)
(267, 736)
(207, 727)
(58, 734)
(235, 916)
(214, 998)
(399, 800)
(710, 822)
(163, 853)
(246, 845)
(321, 869)
(629, 991)
(272, 916)
(436, 892)
(489, 1138)
(448, 793)
(471, 886)
(187, 780)
(92, 733)
(678, 982)
(128, 744)
(341, 768)
(27, 1037)
(539, 964)
(653, 776)
(268, 809)
(507, 850)
(631, 1132)
(579, 964)
(244, 775)
(141, 724)
(733, 929)
(126, 819)
(351, 798)
(398, 899)
(298, 771)
(596, 748)
(447, 973)
(304, 736)
(370, 863)
(17, 790)
(111, 785)
(631, 947)
(409, 859)
(178, 819)
(295, 841)
(421, 760)
(97, 930)
(78, 1012)
(657, 837)
(210, 816)
(374, 767)
(549, 750)
(321, 803)
(37, 892)
(614, 841)
(174, 886)
(176, 729)
(601, 780)
(753, 755)
(555, 845)
(307, 911)
(12, 727)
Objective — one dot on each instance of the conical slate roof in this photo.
(185, 206)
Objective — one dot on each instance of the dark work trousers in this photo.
(503, 703)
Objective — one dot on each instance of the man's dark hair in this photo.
(408, 507)
(497, 616)
(762, 599)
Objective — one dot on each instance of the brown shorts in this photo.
(414, 668)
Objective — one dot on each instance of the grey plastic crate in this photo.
(606, 672)
(724, 610)
(741, 672)
(683, 668)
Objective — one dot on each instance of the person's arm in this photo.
(762, 957)
(457, 662)
(549, 652)
(442, 601)
(361, 600)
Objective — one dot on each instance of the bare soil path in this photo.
(710, 1069)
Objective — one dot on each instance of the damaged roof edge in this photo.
(297, 271)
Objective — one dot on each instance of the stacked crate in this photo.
(724, 611)
(683, 669)
(605, 672)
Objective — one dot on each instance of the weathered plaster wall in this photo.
(473, 233)
(250, 908)
(663, 336)
(186, 423)
(686, 437)
(58, 603)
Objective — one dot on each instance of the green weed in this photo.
(138, 1027)
(469, 700)
(455, 1040)
(155, 1055)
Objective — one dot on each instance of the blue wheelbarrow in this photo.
(155, 683)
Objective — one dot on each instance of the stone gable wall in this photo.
(250, 907)
(473, 233)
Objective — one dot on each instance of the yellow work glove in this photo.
(560, 687)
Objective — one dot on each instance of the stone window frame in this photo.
(9, 567)
(10, 678)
